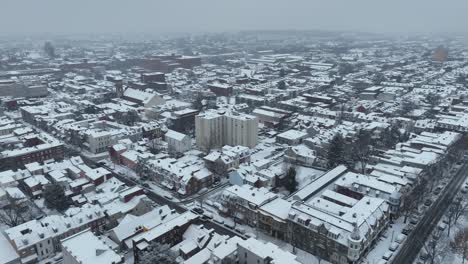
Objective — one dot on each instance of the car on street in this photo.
(400, 238)
(240, 229)
(168, 197)
(229, 224)
(387, 255)
(219, 220)
(407, 229)
(198, 210)
(428, 202)
(413, 220)
(442, 226)
(464, 189)
(207, 215)
(423, 256)
(394, 246)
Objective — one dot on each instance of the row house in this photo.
(170, 232)
(228, 158)
(337, 232)
(242, 202)
(186, 175)
(37, 240)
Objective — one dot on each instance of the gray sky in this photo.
(96, 16)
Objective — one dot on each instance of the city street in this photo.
(160, 200)
(424, 228)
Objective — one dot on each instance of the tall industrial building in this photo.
(214, 129)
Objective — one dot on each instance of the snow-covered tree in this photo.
(54, 197)
(460, 243)
(290, 179)
(336, 152)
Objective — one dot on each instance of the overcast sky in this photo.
(96, 16)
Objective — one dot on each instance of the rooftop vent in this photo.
(100, 252)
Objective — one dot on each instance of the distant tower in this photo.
(354, 244)
(440, 54)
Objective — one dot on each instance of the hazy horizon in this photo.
(145, 16)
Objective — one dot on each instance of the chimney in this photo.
(100, 251)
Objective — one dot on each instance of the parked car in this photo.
(249, 235)
(168, 197)
(240, 229)
(218, 220)
(400, 238)
(428, 202)
(413, 220)
(387, 255)
(464, 189)
(198, 210)
(423, 256)
(208, 215)
(229, 224)
(442, 226)
(445, 220)
(407, 229)
(394, 246)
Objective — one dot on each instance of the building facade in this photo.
(216, 129)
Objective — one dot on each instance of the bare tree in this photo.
(420, 190)
(362, 149)
(456, 209)
(409, 203)
(460, 243)
(157, 253)
(435, 173)
(431, 248)
(14, 213)
(450, 219)
(460, 205)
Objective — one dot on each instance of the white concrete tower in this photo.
(354, 244)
